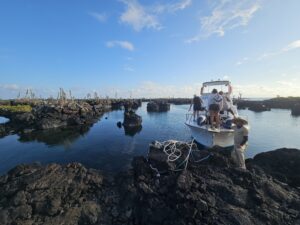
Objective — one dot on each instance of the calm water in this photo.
(104, 146)
(3, 120)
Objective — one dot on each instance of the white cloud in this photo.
(291, 46)
(224, 16)
(146, 17)
(242, 61)
(282, 88)
(123, 44)
(10, 87)
(150, 89)
(136, 16)
(172, 7)
(129, 68)
(101, 17)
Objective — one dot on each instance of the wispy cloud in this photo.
(128, 68)
(225, 16)
(137, 16)
(101, 17)
(242, 61)
(291, 46)
(10, 87)
(171, 7)
(122, 44)
(147, 17)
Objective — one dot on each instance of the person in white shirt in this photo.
(241, 133)
(227, 102)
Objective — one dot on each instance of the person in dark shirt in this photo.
(197, 106)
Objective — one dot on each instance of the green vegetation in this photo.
(16, 108)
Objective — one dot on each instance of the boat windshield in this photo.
(207, 89)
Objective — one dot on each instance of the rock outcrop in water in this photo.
(296, 110)
(158, 106)
(54, 114)
(44, 117)
(126, 104)
(131, 119)
(256, 106)
(175, 101)
(209, 192)
(259, 108)
(274, 103)
(132, 122)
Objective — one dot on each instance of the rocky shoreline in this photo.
(292, 103)
(212, 191)
(175, 101)
(43, 115)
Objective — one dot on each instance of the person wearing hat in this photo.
(240, 141)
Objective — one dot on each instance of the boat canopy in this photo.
(214, 83)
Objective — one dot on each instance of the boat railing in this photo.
(189, 117)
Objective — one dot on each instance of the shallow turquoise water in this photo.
(104, 146)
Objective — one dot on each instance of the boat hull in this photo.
(207, 138)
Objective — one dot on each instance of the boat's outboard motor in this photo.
(201, 120)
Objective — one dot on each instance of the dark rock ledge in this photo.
(51, 115)
(210, 192)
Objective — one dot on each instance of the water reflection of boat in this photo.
(200, 127)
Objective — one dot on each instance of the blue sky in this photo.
(149, 48)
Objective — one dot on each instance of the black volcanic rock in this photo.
(206, 193)
(274, 103)
(259, 107)
(131, 119)
(158, 106)
(296, 110)
(283, 164)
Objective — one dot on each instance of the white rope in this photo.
(173, 152)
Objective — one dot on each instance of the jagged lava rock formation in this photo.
(210, 192)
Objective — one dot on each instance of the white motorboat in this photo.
(202, 132)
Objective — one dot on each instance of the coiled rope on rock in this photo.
(174, 153)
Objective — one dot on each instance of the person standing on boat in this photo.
(197, 106)
(227, 102)
(215, 104)
(240, 141)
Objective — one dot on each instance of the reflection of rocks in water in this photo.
(53, 137)
(131, 131)
(2, 130)
(296, 110)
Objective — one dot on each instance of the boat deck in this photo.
(207, 127)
